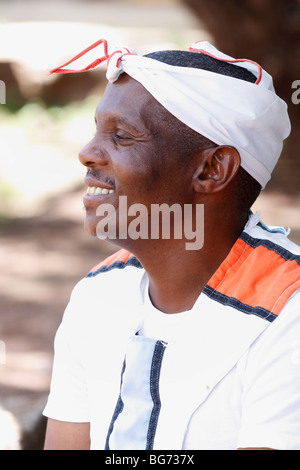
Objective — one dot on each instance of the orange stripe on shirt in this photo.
(121, 255)
(258, 277)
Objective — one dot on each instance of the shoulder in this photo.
(109, 289)
(275, 262)
(117, 271)
(261, 272)
(119, 260)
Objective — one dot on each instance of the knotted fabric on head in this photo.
(226, 110)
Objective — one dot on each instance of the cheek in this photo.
(140, 170)
(149, 171)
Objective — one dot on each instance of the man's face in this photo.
(130, 154)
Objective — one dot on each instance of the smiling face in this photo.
(130, 154)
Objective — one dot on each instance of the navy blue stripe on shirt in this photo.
(116, 265)
(134, 421)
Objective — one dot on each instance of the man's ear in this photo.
(216, 167)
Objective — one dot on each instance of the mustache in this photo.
(96, 174)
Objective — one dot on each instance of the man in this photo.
(165, 345)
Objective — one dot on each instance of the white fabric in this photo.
(228, 379)
(257, 380)
(226, 110)
(237, 412)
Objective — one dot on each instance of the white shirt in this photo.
(227, 379)
(239, 410)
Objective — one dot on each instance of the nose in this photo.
(91, 154)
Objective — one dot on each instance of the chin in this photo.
(90, 227)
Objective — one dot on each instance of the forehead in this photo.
(127, 100)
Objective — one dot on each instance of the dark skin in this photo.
(130, 156)
(137, 164)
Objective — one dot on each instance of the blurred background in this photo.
(44, 122)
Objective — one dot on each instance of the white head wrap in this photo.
(226, 110)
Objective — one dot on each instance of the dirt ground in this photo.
(40, 260)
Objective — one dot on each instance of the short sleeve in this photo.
(271, 398)
(68, 399)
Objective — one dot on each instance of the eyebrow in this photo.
(120, 121)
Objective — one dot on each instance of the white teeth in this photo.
(90, 191)
(94, 191)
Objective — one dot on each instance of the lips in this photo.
(97, 188)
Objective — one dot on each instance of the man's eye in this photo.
(122, 135)
(123, 138)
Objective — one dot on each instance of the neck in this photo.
(177, 275)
